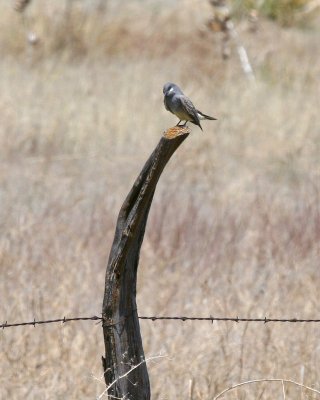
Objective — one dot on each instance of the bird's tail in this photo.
(204, 116)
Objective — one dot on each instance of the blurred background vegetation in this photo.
(235, 224)
(285, 12)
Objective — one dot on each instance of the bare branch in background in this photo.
(222, 22)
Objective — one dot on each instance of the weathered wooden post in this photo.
(125, 369)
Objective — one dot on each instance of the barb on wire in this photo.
(211, 319)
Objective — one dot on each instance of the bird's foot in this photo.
(183, 125)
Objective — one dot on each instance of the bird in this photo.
(181, 106)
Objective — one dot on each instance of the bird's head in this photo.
(170, 88)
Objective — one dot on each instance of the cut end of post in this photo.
(176, 131)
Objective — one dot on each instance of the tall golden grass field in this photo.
(234, 228)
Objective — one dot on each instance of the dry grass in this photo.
(235, 224)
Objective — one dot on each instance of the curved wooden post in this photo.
(125, 369)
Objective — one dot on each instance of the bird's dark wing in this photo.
(191, 110)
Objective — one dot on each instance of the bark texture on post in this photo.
(125, 371)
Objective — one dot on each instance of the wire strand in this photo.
(110, 323)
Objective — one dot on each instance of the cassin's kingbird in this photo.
(180, 105)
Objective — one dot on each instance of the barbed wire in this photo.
(232, 319)
(211, 319)
(49, 321)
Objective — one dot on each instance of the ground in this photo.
(234, 229)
